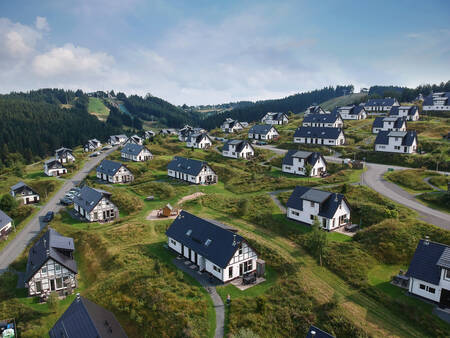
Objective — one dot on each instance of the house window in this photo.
(173, 242)
(312, 204)
(248, 266)
(44, 269)
(422, 286)
(447, 274)
(59, 283)
(216, 268)
(295, 213)
(38, 286)
(57, 267)
(311, 217)
(230, 272)
(240, 250)
(431, 290)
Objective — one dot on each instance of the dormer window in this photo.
(189, 232)
(208, 242)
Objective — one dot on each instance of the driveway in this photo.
(35, 225)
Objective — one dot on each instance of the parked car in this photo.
(94, 154)
(49, 216)
(107, 147)
(66, 201)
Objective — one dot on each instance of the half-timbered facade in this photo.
(134, 139)
(231, 126)
(24, 193)
(275, 118)
(64, 155)
(192, 171)
(238, 149)
(116, 140)
(263, 132)
(114, 172)
(296, 162)
(53, 167)
(319, 135)
(199, 141)
(94, 205)
(92, 145)
(135, 152)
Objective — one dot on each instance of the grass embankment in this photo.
(412, 180)
(439, 200)
(97, 108)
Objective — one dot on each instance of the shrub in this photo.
(158, 189)
(440, 181)
(21, 212)
(127, 202)
(44, 187)
(7, 203)
(411, 179)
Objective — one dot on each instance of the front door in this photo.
(241, 269)
(445, 299)
(189, 255)
(27, 200)
(52, 284)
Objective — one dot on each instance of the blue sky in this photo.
(202, 52)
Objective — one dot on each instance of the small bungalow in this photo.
(192, 171)
(116, 140)
(380, 106)
(86, 319)
(53, 167)
(64, 155)
(296, 161)
(351, 112)
(404, 142)
(275, 118)
(331, 209)
(213, 247)
(231, 126)
(263, 132)
(319, 135)
(388, 124)
(6, 224)
(135, 152)
(199, 141)
(114, 172)
(51, 265)
(21, 191)
(92, 145)
(94, 205)
(238, 149)
(410, 113)
(323, 120)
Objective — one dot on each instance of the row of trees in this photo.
(404, 94)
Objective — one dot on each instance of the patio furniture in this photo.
(249, 278)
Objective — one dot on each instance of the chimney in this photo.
(336, 198)
(427, 240)
(313, 333)
(78, 297)
(234, 240)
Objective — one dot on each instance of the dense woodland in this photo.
(404, 94)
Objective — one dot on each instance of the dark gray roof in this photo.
(322, 118)
(395, 110)
(186, 165)
(444, 260)
(239, 144)
(133, 149)
(51, 245)
(310, 157)
(221, 248)
(379, 121)
(196, 137)
(318, 132)
(353, 109)
(275, 116)
(62, 151)
(381, 102)
(408, 137)
(89, 197)
(4, 219)
(53, 163)
(109, 167)
(318, 333)
(428, 101)
(18, 187)
(424, 264)
(314, 109)
(86, 319)
(329, 202)
(261, 129)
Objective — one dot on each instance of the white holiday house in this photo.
(231, 126)
(275, 118)
(5, 224)
(213, 248)
(92, 145)
(192, 171)
(380, 106)
(295, 162)
(404, 142)
(437, 102)
(351, 112)
(135, 152)
(64, 155)
(94, 205)
(388, 124)
(51, 266)
(199, 141)
(319, 135)
(53, 167)
(429, 272)
(114, 172)
(263, 132)
(315, 110)
(134, 139)
(332, 120)
(238, 149)
(331, 209)
(116, 140)
(410, 113)
(149, 134)
(23, 192)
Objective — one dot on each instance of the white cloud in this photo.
(16, 40)
(42, 24)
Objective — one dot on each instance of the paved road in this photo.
(373, 177)
(35, 225)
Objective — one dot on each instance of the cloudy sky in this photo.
(203, 52)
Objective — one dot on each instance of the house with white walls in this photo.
(51, 266)
(316, 110)
(403, 142)
(199, 141)
(238, 149)
(319, 135)
(134, 139)
(136, 153)
(410, 113)
(192, 171)
(53, 167)
(24, 193)
(116, 140)
(214, 248)
(388, 123)
(275, 118)
(265, 132)
(297, 161)
(231, 126)
(352, 112)
(114, 172)
(94, 205)
(92, 145)
(437, 102)
(380, 106)
(64, 155)
(332, 120)
(6, 224)
(429, 272)
(331, 209)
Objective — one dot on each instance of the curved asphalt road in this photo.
(373, 178)
(35, 225)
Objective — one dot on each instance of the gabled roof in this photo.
(109, 167)
(379, 121)
(196, 137)
(309, 157)
(186, 165)
(261, 129)
(133, 149)
(20, 186)
(53, 162)
(86, 319)
(429, 100)
(353, 109)
(89, 197)
(62, 151)
(395, 110)
(322, 118)
(275, 116)
(315, 110)
(121, 136)
(408, 137)
(424, 264)
(193, 232)
(329, 202)
(239, 144)
(381, 102)
(318, 333)
(50, 245)
(318, 132)
(4, 219)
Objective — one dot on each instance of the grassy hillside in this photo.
(97, 108)
(343, 101)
